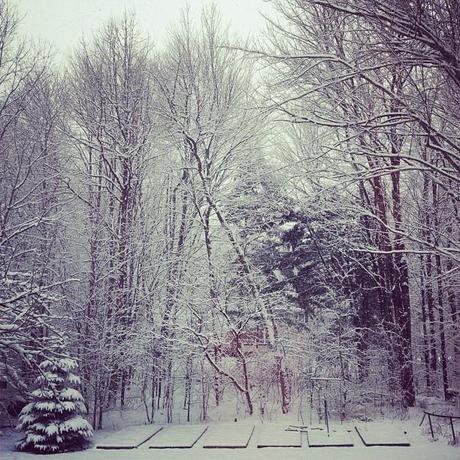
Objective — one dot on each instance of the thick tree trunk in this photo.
(442, 333)
(440, 298)
(213, 296)
(429, 280)
(284, 387)
(247, 392)
(401, 298)
(452, 301)
(426, 355)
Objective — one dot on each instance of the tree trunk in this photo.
(426, 355)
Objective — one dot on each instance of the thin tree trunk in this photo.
(426, 355)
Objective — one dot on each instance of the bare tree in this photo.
(206, 108)
(356, 69)
(110, 126)
(31, 206)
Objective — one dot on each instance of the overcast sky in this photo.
(62, 23)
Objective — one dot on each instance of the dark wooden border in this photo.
(348, 444)
(114, 447)
(182, 447)
(242, 446)
(382, 444)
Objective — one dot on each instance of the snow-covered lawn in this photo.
(130, 437)
(335, 438)
(176, 436)
(272, 435)
(225, 435)
(422, 448)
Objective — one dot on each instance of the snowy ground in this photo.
(422, 448)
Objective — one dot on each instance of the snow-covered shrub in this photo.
(52, 421)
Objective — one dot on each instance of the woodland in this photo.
(223, 222)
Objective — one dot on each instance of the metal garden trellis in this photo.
(450, 417)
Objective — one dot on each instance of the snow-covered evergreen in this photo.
(52, 421)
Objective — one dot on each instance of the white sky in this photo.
(62, 23)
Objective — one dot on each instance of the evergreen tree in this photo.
(52, 422)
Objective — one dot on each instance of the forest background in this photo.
(221, 222)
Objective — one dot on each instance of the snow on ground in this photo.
(179, 436)
(225, 435)
(275, 435)
(129, 437)
(335, 438)
(422, 448)
(373, 436)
